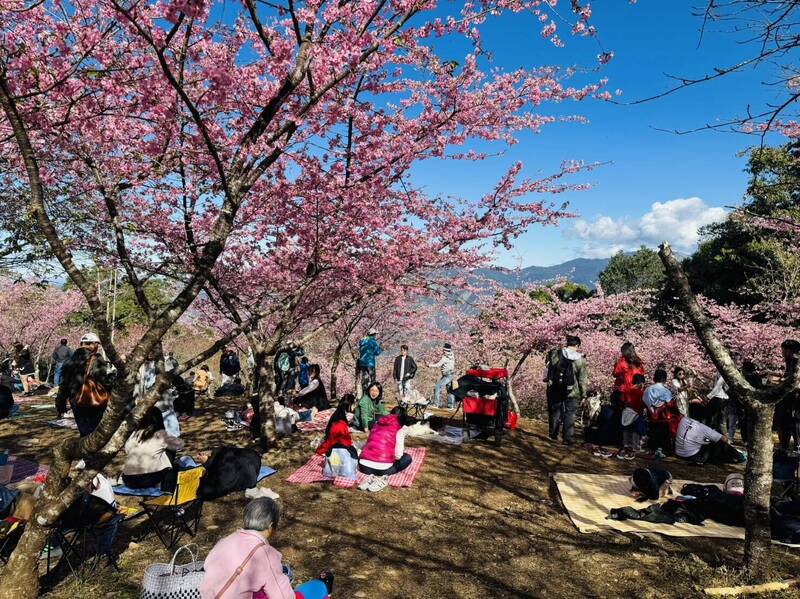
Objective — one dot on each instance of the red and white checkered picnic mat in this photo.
(311, 472)
(320, 421)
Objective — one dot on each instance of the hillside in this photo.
(583, 271)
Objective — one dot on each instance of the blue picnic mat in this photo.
(157, 492)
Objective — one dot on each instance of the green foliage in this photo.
(737, 263)
(127, 312)
(629, 272)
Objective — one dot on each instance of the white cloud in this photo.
(676, 221)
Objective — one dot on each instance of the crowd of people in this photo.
(661, 415)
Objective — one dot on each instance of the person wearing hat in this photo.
(447, 363)
(87, 361)
(368, 351)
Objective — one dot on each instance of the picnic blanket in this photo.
(63, 423)
(22, 469)
(316, 424)
(156, 491)
(588, 498)
(311, 472)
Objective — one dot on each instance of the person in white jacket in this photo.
(447, 363)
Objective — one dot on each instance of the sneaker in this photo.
(379, 484)
(367, 482)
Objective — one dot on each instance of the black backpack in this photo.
(561, 376)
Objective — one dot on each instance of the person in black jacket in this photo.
(229, 366)
(405, 369)
(72, 378)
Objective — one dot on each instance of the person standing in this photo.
(368, 351)
(627, 366)
(171, 362)
(24, 364)
(405, 369)
(680, 387)
(447, 363)
(567, 384)
(229, 366)
(86, 383)
(787, 412)
(61, 354)
(717, 406)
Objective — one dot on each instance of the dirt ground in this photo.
(480, 522)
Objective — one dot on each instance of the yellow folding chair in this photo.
(179, 513)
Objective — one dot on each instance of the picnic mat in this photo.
(311, 472)
(156, 491)
(22, 469)
(588, 498)
(63, 423)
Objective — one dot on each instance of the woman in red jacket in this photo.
(628, 365)
(337, 433)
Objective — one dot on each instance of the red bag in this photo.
(511, 420)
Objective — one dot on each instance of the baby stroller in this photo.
(484, 399)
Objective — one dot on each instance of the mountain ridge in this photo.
(583, 271)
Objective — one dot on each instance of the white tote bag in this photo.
(174, 581)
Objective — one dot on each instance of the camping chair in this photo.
(786, 474)
(173, 515)
(83, 547)
(10, 533)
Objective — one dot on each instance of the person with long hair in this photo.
(313, 395)
(629, 388)
(147, 455)
(337, 431)
(370, 408)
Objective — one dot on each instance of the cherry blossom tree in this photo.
(760, 404)
(35, 315)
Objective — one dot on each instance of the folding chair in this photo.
(173, 515)
(10, 532)
(83, 547)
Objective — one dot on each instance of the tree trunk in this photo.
(337, 357)
(20, 577)
(758, 487)
(268, 436)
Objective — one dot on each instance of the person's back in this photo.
(62, 353)
(369, 349)
(262, 572)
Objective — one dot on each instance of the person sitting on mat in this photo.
(384, 454)
(244, 564)
(313, 395)
(147, 455)
(337, 432)
(370, 407)
(700, 444)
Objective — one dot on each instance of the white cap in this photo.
(90, 338)
(372, 332)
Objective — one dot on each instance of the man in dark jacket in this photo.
(567, 384)
(73, 376)
(60, 356)
(405, 368)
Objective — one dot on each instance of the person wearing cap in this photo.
(73, 376)
(368, 351)
(447, 363)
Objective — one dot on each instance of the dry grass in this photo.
(480, 522)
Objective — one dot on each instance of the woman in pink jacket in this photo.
(244, 565)
(384, 454)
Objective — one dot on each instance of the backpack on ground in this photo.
(561, 376)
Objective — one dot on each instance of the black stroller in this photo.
(484, 399)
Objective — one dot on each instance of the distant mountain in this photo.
(584, 271)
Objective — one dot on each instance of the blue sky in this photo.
(649, 40)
